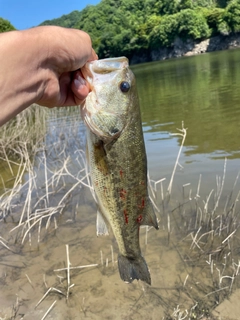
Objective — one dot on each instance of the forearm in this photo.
(21, 75)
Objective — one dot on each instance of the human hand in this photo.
(68, 51)
(42, 65)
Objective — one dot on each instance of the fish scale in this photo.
(117, 159)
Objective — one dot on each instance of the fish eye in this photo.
(124, 86)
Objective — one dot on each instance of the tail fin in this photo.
(131, 269)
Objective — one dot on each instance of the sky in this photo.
(25, 14)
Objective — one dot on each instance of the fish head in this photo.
(106, 110)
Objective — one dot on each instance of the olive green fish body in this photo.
(117, 159)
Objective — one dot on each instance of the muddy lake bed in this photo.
(52, 264)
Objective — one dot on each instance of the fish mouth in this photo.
(104, 68)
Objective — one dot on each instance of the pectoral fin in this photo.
(102, 229)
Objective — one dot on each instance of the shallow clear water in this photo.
(193, 258)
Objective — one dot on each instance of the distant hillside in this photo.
(136, 27)
(67, 20)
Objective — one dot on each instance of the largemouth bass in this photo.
(117, 158)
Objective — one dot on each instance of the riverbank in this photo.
(190, 47)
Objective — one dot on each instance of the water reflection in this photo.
(203, 91)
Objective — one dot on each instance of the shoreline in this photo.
(189, 48)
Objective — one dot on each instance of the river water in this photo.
(202, 91)
(193, 258)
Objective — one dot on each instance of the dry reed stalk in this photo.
(35, 217)
(154, 204)
(194, 238)
(219, 193)
(207, 201)
(198, 187)
(150, 186)
(49, 309)
(78, 267)
(2, 241)
(46, 176)
(169, 227)
(183, 189)
(15, 308)
(183, 134)
(112, 254)
(46, 293)
(68, 271)
(7, 159)
(29, 280)
(221, 289)
(178, 314)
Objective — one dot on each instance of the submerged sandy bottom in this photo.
(182, 280)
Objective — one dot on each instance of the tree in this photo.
(164, 33)
(5, 25)
(67, 20)
(186, 4)
(216, 19)
(163, 7)
(233, 15)
(192, 25)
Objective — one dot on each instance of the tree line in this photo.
(128, 27)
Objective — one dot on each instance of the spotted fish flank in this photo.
(117, 158)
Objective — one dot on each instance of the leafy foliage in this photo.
(192, 24)
(166, 7)
(164, 33)
(216, 20)
(5, 25)
(67, 21)
(128, 27)
(233, 15)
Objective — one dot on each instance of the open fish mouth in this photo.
(103, 71)
(103, 67)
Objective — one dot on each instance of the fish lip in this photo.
(109, 65)
(103, 66)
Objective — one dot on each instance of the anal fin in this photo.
(150, 218)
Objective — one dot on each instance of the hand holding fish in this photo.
(41, 65)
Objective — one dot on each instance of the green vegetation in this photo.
(67, 20)
(128, 27)
(5, 25)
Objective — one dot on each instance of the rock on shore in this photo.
(189, 48)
